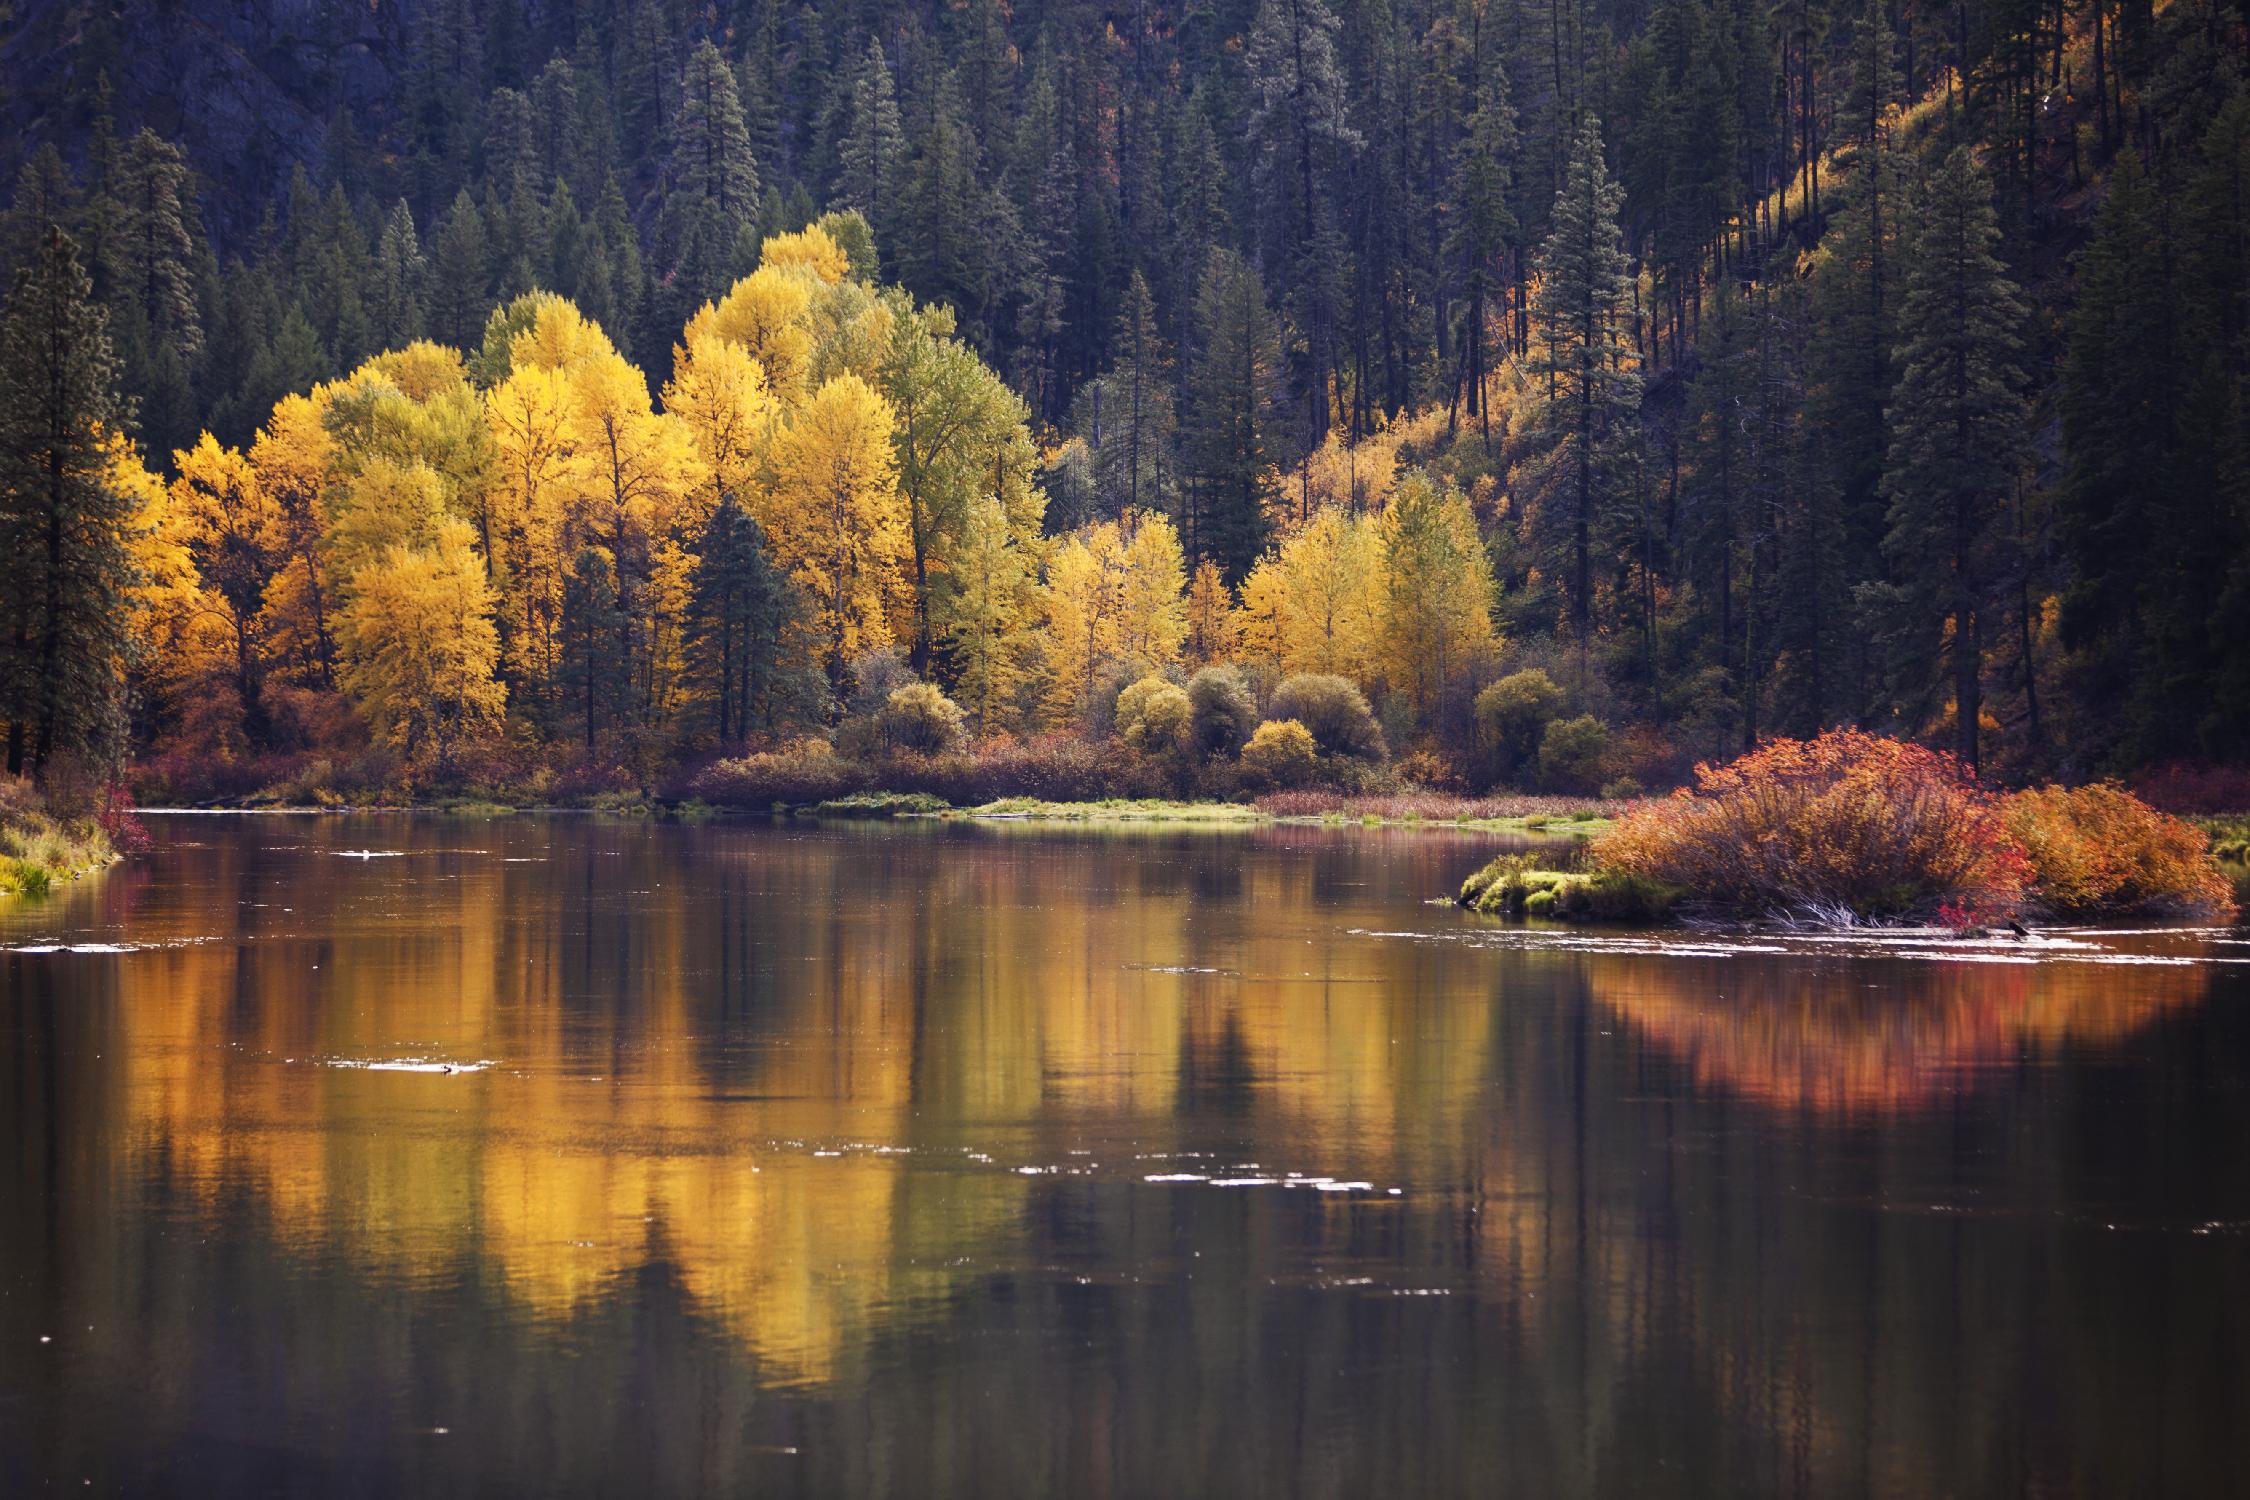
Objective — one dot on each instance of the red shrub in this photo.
(1847, 821)
(121, 823)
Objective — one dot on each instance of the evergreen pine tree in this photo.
(1583, 355)
(65, 563)
(711, 161)
(1957, 424)
(736, 610)
(1231, 396)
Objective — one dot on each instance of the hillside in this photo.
(1782, 367)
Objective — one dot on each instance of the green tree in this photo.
(736, 610)
(873, 144)
(1584, 356)
(1132, 415)
(1232, 392)
(65, 559)
(710, 159)
(1958, 423)
(594, 670)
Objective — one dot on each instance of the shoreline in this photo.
(907, 808)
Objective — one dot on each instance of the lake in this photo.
(366, 1155)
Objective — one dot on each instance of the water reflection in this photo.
(887, 1161)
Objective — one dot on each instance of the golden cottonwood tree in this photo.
(768, 314)
(297, 464)
(1151, 615)
(235, 537)
(534, 476)
(1214, 633)
(1437, 591)
(1314, 603)
(718, 393)
(835, 521)
(1113, 600)
(988, 628)
(420, 649)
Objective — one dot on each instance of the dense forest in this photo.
(1592, 386)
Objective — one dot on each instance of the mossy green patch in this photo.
(1511, 886)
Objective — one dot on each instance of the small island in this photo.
(1852, 828)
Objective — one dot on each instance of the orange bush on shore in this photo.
(2100, 849)
(1849, 821)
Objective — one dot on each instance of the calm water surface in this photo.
(383, 1155)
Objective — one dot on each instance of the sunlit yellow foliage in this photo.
(235, 536)
(1358, 477)
(560, 337)
(636, 467)
(297, 460)
(385, 505)
(1151, 615)
(810, 248)
(1213, 631)
(1437, 590)
(533, 487)
(767, 313)
(420, 648)
(1314, 604)
(422, 370)
(993, 607)
(718, 392)
(834, 518)
(1112, 600)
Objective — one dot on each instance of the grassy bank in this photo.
(39, 852)
(1523, 816)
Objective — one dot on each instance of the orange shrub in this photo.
(1849, 821)
(2100, 849)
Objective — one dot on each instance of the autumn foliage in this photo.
(1875, 827)
(2102, 850)
(1849, 821)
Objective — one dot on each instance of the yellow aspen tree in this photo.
(165, 593)
(769, 314)
(385, 504)
(671, 587)
(422, 371)
(1437, 591)
(810, 248)
(237, 543)
(635, 467)
(1151, 612)
(718, 393)
(1328, 596)
(835, 521)
(560, 337)
(1258, 618)
(420, 649)
(1214, 632)
(1081, 605)
(534, 473)
(991, 609)
(298, 463)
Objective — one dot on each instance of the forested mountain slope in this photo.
(1797, 363)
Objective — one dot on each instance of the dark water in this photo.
(889, 1161)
